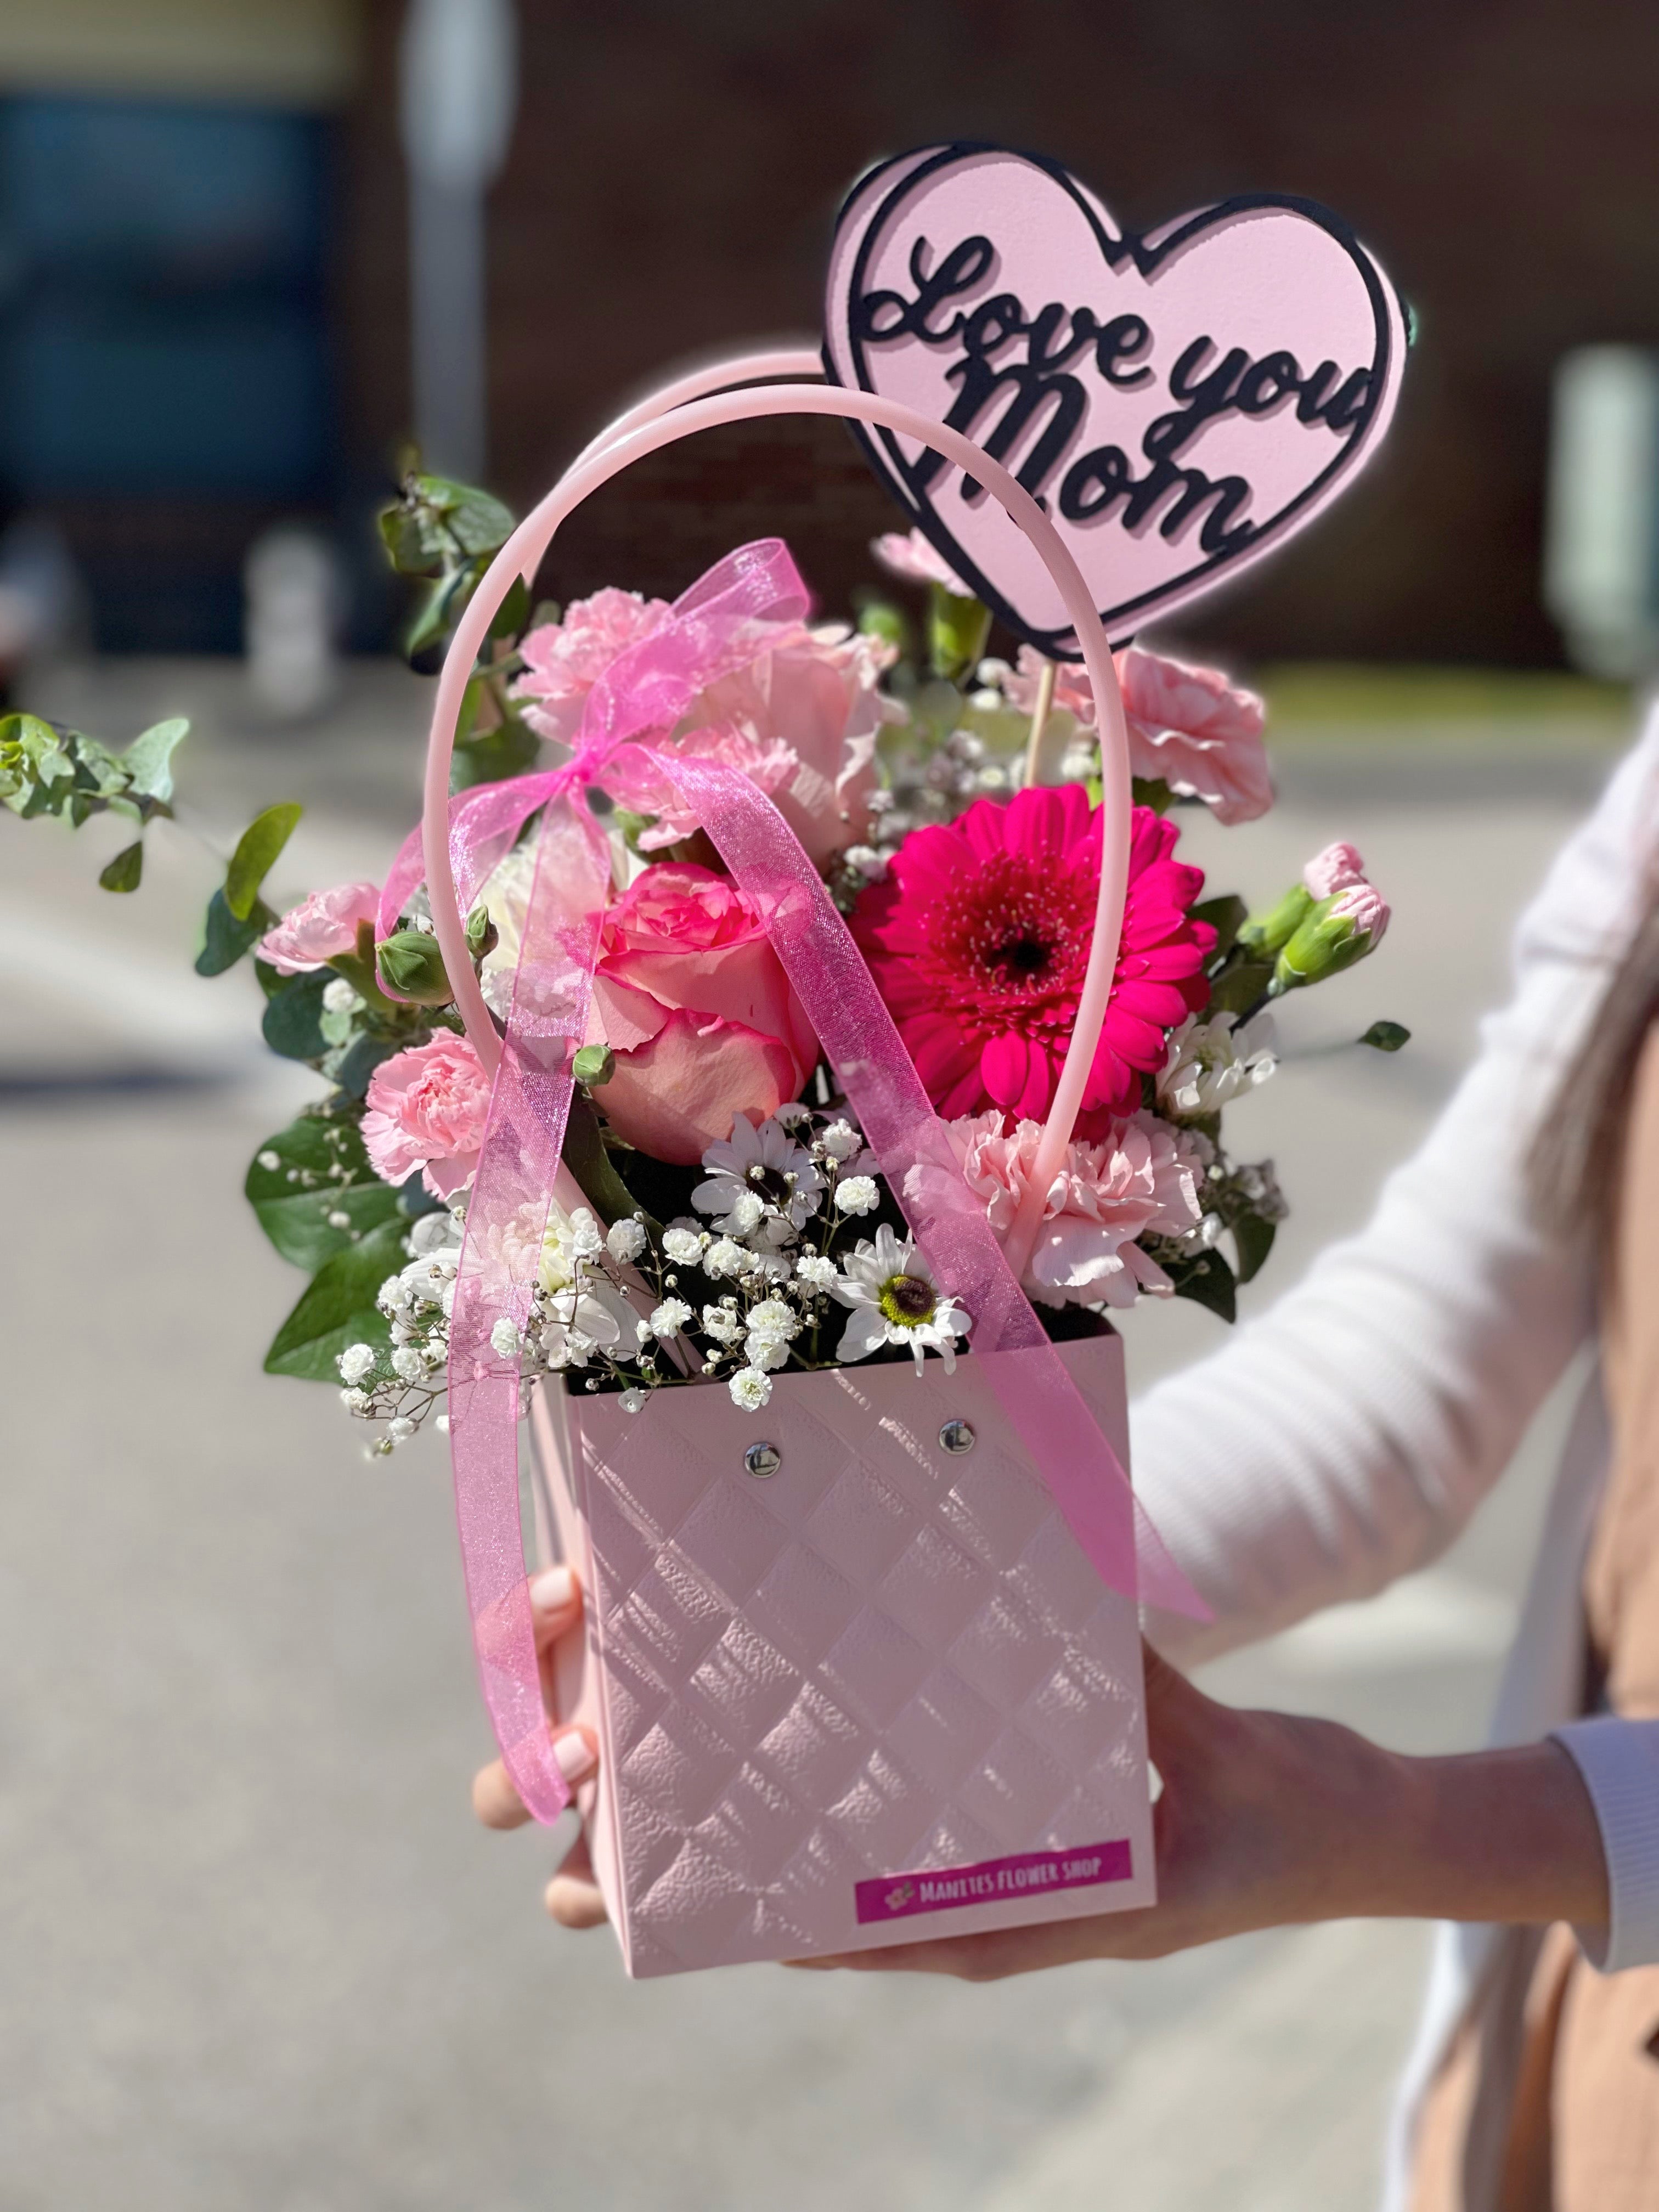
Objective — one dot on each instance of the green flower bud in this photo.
(1336, 933)
(1269, 931)
(411, 964)
(957, 631)
(593, 1065)
(481, 933)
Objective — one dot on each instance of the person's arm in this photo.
(1267, 1821)
(1344, 1437)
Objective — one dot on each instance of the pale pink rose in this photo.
(1144, 1179)
(1334, 870)
(816, 692)
(633, 779)
(693, 1002)
(320, 927)
(1188, 727)
(427, 1109)
(563, 661)
(906, 553)
(676, 1094)
(1364, 906)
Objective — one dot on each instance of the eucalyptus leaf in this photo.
(292, 1022)
(148, 760)
(359, 1061)
(1386, 1036)
(226, 937)
(125, 872)
(255, 855)
(1226, 917)
(1206, 1278)
(338, 1307)
(321, 1170)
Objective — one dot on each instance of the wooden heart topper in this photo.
(1180, 403)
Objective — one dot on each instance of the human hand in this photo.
(1266, 1820)
(573, 1896)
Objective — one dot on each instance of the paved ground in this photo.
(255, 1954)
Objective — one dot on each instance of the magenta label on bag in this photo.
(944, 1889)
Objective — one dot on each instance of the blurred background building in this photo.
(210, 211)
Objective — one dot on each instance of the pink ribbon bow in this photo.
(719, 625)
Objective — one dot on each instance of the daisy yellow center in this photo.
(907, 1300)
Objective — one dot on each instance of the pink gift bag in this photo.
(864, 1667)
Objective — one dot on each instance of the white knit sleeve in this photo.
(1344, 1437)
(1618, 1762)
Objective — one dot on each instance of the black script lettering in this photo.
(1125, 338)
(1268, 381)
(959, 271)
(1203, 398)
(1350, 401)
(1031, 392)
(1097, 481)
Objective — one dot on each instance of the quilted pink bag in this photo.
(863, 1666)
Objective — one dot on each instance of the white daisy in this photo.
(1211, 1061)
(765, 1164)
(895, 1300)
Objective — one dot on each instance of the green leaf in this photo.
(227, 937)
(1206, 1278)
(1385, 1036)
(359, 1061)
(513, 611)
(1253, 1239)
(1240, 985)
(338, 1307)
(958, 631)
(479, 523)
(255, 855)
(292, 1016)
(321, 1170)
(125, 872)
(510, 749)
(1151, 791)
(148, 760)
(1226, 917)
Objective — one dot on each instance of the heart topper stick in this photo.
(1178, 403)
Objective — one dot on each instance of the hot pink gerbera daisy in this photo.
(978, 937)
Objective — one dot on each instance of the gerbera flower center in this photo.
(908, 1301)
(1025, 956)
(1011, 931)
(771, 1184)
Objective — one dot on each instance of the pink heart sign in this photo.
(1180, 403)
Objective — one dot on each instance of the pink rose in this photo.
(1334, 870)
(1144, 1179)
(693, 1002)
(1188, 727)
(909, 554)
(815, 693)
(314, 932)
(427, 1109)
(563, 661)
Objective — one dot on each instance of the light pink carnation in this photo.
(563, 661)
(1334, 870)
(1143, 1181)
(1188, 727)
(320, 927)
(427, 1109)
(1364, 905)
(909, 554)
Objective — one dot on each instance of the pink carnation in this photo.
(319, 928)
(1188, 727)
(1143, 1181)
(563, 661)
(1334, 870)
(1364, 906)
(978, 937)
(909, 554)
(427, 1109)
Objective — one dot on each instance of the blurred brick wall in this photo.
(677, 168)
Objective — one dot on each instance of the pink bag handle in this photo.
(701, 400)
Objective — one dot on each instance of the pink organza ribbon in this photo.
(719, 625)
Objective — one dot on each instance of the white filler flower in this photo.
(763, 1166)
(1210, 1062)
(749, 1389)
(895, 1300)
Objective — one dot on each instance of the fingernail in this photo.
(574, 1756)
(553, 1590)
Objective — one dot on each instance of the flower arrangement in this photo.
(733, 1225)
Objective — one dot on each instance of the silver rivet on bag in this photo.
(957, 1437)
(762, 1460)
